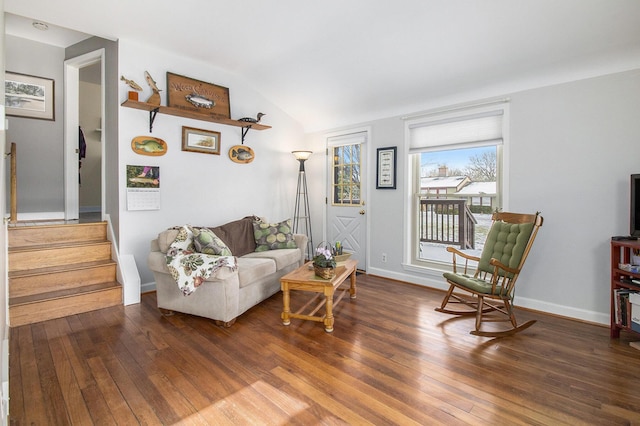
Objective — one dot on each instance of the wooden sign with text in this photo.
(197, 96)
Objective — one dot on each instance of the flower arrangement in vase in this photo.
(324, 263)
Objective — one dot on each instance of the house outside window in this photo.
(456, 167)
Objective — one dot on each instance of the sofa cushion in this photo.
(207, 242)
(251, 270)
(282, 257)
(166, 237)
(273, 236)
(237, 235)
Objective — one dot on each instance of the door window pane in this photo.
(346, 175)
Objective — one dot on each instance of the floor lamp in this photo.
(301, 215)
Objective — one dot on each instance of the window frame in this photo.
(411, 260)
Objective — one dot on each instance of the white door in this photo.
(346, 214)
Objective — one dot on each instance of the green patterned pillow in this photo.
(273, 236)
(205, 241)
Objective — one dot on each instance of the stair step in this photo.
(38, 257)
(21, 236)
(60, 303)
(34, 281)
(60, 270)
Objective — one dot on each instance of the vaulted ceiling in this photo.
(335, 62)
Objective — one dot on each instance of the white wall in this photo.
(202, 189)
(572, 148)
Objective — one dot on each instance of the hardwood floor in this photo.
(390, 360)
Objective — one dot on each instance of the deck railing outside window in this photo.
(446, 222)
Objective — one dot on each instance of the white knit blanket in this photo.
(190, 268)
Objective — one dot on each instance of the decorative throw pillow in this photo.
(237, 235)
(205, 241)
(273, 236)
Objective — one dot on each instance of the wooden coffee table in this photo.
(305, 279)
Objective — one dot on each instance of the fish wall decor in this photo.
(147, 145)
(241, 154)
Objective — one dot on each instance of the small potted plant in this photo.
(324, 263)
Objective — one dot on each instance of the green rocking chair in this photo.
(490, 289)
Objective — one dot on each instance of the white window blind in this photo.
(465, 131)
(349, 139)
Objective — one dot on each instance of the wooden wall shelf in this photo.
(154, 109)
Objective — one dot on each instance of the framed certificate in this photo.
(386, 170)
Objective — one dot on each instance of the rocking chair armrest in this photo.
(455, 252)
(495, 262)
(465, 256)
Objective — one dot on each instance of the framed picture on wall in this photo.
(386, 168)
(29, 96)
(199, 140)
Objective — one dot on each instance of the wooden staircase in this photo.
(60, 270)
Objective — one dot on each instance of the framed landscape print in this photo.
(29, 96)
(386, 170)
(197, 96)
(199, 140)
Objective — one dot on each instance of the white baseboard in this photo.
(4, 390)
(565, 311)
(128, 275)
(90, 209)
(148, 287)
(41, 216)
(433, 279)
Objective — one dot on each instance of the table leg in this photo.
(285, 305)
(328, 319)
(352, 288)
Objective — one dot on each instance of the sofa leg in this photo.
(226, 324)
(166, 312)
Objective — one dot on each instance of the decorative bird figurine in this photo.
(253, 120)
(131, 83)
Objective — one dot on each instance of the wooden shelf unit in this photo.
(621, 252)
(202, 116)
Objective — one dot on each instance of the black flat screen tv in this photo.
(635, 206)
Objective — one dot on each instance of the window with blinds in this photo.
(456, 159)
(464, 131)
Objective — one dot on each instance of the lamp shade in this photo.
(302, 155)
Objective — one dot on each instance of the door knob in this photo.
(362, 211)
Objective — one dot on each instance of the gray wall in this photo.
(39, 143)
(110, 129)
(91, 170)
(571, 150)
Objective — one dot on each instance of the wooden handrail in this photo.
(13, 217)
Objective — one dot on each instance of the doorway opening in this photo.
(84, 132)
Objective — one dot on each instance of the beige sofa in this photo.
(226, 294)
